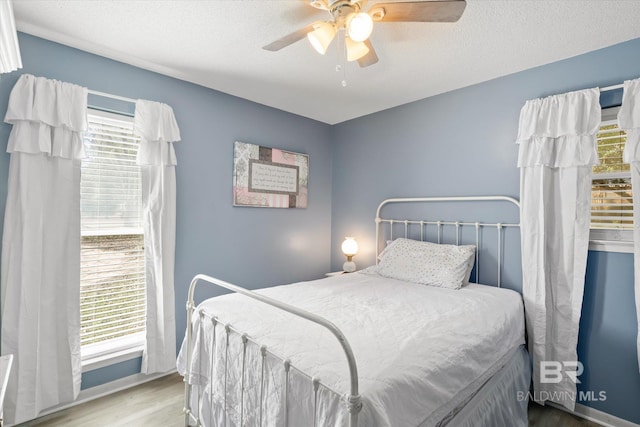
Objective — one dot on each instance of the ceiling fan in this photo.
(349, 15)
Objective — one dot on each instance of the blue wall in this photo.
(247, 246)
(606, 342)
(462, 143)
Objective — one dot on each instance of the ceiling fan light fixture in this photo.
(377, 14)
(321, 37)
(318, 4)
(355, 50)
(359, 26)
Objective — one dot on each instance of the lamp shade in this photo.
(355, 50)
(349, 246)
(359, 26)
(321, 37)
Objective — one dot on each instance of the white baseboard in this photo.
(602, 418)
(102, 390)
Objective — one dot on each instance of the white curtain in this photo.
(629, 120)
(9, 50)
(558, 148)
(41, 245)
(157, 127)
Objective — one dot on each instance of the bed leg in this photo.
(263, 354)
(287, 366)
(187, 388)
(187, 417)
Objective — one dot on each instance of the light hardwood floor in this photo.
(546, 416)
(159, 404)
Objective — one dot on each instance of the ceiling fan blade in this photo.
(421, 11)
(290, 38)
(370, 58)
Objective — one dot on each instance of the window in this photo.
(611, 197)
(112, 278)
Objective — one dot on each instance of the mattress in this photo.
(421, 352)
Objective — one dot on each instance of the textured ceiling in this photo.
(217, 44)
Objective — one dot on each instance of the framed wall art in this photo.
(268, 177)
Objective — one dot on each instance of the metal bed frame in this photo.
(353, 399)
(440, 224)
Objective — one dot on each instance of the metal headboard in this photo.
(440, 224)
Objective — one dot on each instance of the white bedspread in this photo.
(420, 350)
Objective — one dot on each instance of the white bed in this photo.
(426, 356)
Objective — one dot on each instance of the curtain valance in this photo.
(560, 130)
(629, 120)
(157, 126)
(48, 116)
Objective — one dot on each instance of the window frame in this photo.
(610, 239)
(97, 355)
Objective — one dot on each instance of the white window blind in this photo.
(112, 290)
(611, 197)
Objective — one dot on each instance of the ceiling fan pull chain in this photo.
(344, 76)
(339, 53)
(342, 57)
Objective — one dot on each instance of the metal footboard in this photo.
(354, 403)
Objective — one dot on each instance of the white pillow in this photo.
(446, 266)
